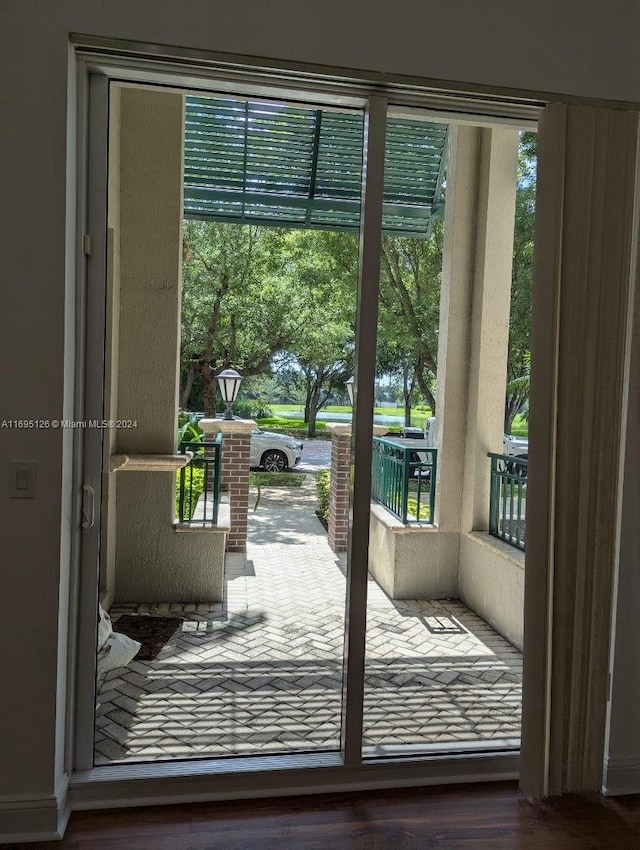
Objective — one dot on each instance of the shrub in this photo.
(323, 487)
(293, 427)
(412, 508)
(188, 429)
(247, 408)
(190, 498)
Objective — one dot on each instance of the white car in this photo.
(274, 452)
(515, 446)
(511, 445)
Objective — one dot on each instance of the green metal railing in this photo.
(508, 498)
(403, 479)
(200, 482)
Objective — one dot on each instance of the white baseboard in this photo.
(38, 818)
(621, 776)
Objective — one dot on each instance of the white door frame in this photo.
(236, 777)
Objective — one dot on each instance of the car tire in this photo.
(274, 461)
(516, 469)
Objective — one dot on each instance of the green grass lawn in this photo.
(420, 412)
(273, 479)
(277, 479)
(520, 427)
(419, 418)
(295, 427)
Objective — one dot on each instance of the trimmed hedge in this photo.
(198, 488)
(323, 487)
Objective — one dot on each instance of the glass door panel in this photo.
(438, 677)
(225, 601)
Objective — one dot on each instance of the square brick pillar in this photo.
(339, 494)
(340, 486)
(236, 442)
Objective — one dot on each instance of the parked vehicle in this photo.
(511, 445)
(515, 446)
(274, 452)
(411, 432)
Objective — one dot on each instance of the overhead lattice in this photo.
(291, 166)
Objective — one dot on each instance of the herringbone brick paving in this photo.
(261, 672)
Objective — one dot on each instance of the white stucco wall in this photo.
(474, 319)
(491, 582)
(570, 48)
(412, 561)
(154, 561)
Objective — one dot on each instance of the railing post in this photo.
(433, 480)
(181, 502)
(405, 485)
(217, 476)
(392, 475)
(493, 498)
(514, 475)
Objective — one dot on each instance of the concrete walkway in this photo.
(262, 672)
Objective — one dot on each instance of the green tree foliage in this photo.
(410, 282)
(237, 310)
(519, 358)
(323, 265)
(261, 299)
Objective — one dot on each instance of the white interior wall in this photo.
(568, 49)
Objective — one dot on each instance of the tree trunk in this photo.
(406, 394)
(313, 412)
(511, 409)
(407, 410)
(186, 392)
(431, 401)
(307, 401)
(514, 404)
(209, 393)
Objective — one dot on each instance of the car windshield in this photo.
(257, 431)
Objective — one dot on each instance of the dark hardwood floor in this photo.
(478, 816)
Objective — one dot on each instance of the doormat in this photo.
(152, 632)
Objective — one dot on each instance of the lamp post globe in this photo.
(349, 385)
(229, 382)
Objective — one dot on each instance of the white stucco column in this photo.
(151, 146)
(150, 256)
(474, 319)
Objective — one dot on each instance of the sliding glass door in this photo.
(244, 605)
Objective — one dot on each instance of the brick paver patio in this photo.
(261, 672)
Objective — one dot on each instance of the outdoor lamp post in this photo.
(229, 383)
(349, 385)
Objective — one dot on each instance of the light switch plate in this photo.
(22, 479)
